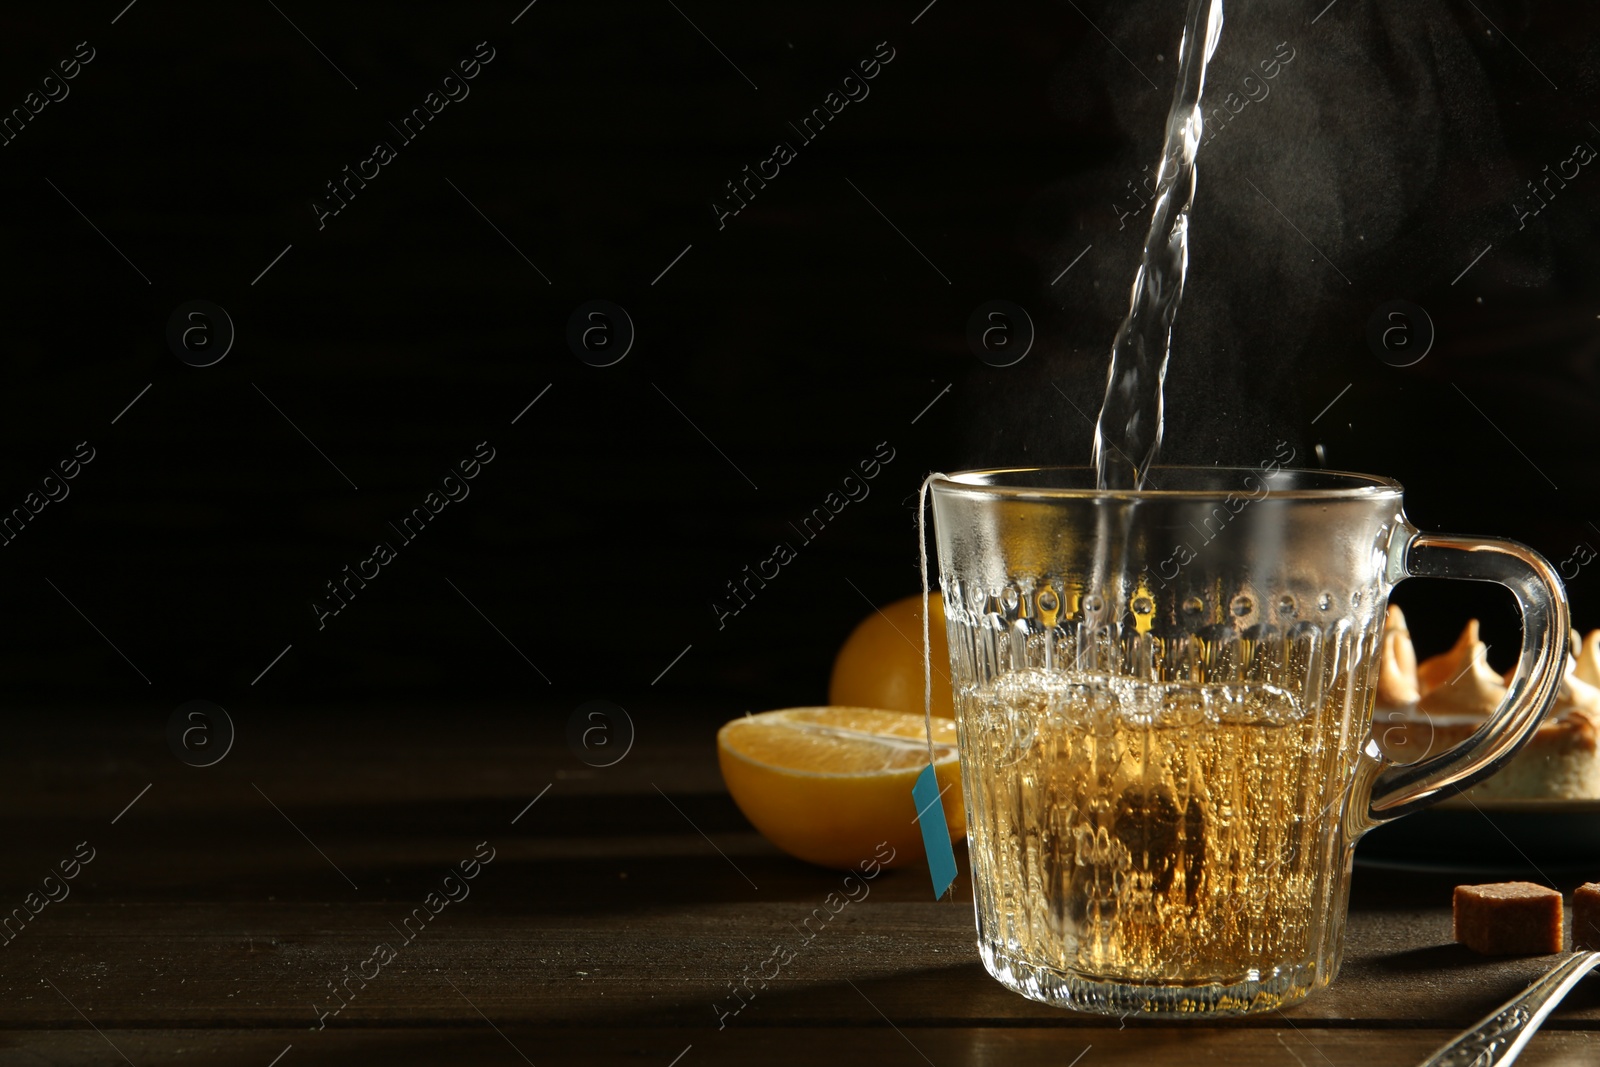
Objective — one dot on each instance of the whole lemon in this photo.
(880, 665)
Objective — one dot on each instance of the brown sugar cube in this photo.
(1508, 919)
(1586, 916)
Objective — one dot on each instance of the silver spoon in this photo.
(1498, 1039)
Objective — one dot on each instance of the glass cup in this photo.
(1163, 700)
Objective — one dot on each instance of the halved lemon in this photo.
(829, 785)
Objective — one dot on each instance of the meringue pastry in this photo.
(1589, 658)
(1458, 691)
(1460, 681)
(1397, 670)
(1562, 760)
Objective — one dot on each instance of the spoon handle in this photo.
(1497, 1040)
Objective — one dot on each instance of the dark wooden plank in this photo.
(874, 1042)
(635, 962)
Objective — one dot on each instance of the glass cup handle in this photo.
(1398, 790)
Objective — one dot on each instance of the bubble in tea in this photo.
(1136, 831)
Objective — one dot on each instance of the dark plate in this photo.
(1529, 837)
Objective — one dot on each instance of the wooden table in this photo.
(618, 907)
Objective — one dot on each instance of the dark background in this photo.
(770, 358)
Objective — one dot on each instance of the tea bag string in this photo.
(927, 645)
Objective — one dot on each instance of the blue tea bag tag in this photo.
(935, 830)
